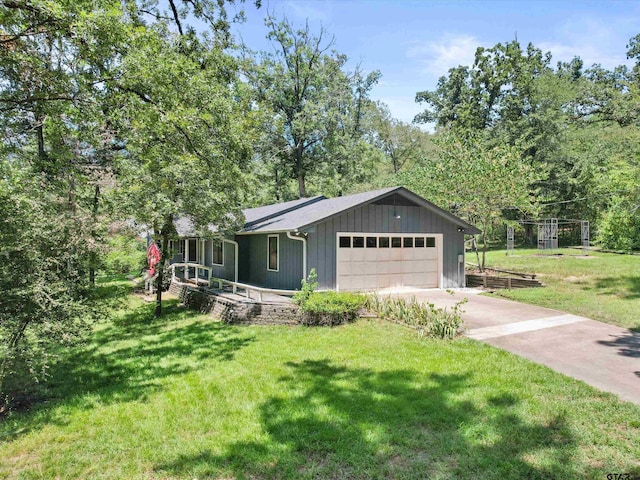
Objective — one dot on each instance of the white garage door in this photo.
(367, 261)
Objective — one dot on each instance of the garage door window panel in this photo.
(419, 242)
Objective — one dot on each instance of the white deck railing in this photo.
(197, 268)
(250, 288)
(210, 281)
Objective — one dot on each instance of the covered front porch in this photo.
(199, 260)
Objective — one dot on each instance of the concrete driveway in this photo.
(602, 355)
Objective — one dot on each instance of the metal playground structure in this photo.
(548, 232)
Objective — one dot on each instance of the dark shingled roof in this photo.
(254, 215)
(324, 208)
(303, 213)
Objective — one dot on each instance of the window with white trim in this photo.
(273, 253)
(217, 252)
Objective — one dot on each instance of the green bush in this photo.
(308, 287)
(331, 308)
(127, 254)
(426, 318)
(619, 228)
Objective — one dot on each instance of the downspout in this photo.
(235, 258)
(304, 252)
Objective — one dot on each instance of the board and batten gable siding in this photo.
(253, 262)
(380, 219)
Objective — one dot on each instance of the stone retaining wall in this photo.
(237, 311)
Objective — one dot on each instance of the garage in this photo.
(370, 261)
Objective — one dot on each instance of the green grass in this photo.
(602, 286)
(187, 397)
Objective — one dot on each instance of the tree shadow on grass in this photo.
(626, 287)
(129, 358)
(335, 422)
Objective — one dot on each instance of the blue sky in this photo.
(413, 43)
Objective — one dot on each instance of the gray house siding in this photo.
(226, 270)
(252, 266)
(380, 219)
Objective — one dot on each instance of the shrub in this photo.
(308, 287)
(331, 308)
(127, 254)
(619, 228)
(426, 318)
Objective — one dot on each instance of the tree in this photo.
(313, 110)
(474, 180)
(402, 144)
(83, 108)
(45, 299)
(182, 114)
(496, 88)
(52, 161)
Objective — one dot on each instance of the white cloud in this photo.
(592, 40)
(438, 56)
(307, 10)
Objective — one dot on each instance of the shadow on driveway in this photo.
(628, 344)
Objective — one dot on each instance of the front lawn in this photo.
(601, 286)
(186, 397)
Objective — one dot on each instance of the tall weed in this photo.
(426, 318)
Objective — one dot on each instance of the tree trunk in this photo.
(92, 269)
(159, 278)
(475, 248)
(302, 188)
(484, 247)
(299, 169)
(42, 155)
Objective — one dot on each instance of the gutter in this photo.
(304, 252)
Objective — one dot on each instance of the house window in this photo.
(408, 242)
(217, 252)
(345, 242)
(396, 242)
(431, 242)
(193, 250)
(273, 252)
(358, 242)
(372, 242)
(383, 242)
(419, 242)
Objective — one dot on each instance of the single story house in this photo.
(367, 241)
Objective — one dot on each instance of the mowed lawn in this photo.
(601, 286)
(187, 397)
